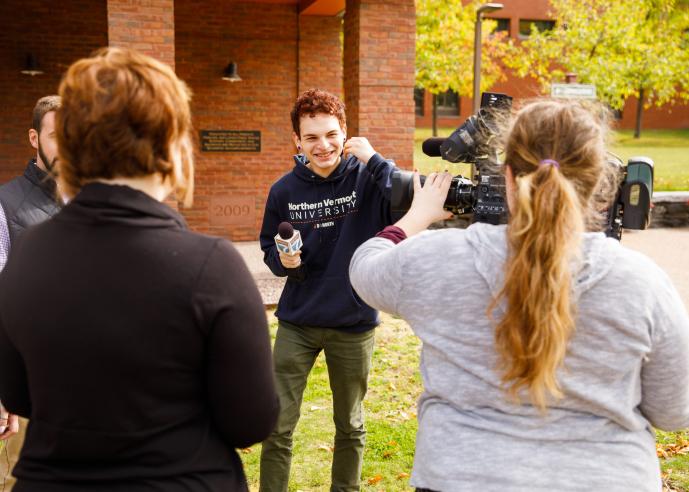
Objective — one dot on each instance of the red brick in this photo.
(379, 41)
(145, 25)
(58, 34)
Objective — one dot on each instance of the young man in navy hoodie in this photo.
(337, 196)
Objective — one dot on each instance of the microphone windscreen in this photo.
(431, 146)
(285, 230)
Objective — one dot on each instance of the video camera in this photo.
(484, 196)
(472, 142)
(632, 206)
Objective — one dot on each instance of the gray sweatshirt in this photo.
(626, 368)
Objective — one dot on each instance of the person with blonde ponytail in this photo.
(549, 352)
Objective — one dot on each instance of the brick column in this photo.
(145, 25)
(379, 51)
(320, 53)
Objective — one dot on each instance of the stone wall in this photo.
(670, 209)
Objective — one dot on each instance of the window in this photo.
(419, 95)
(541, 25)
(502, 25)
(447, 103)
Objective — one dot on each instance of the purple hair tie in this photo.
(552, 162)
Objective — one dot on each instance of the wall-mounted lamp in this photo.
(31, 66)
(230, 73)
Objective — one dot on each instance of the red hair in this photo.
(124, 114)
(317, 101)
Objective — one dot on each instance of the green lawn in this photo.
(394, 387)
(672, 450)
(669, 150)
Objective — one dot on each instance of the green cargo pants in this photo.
(348, 357)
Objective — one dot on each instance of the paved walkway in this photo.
(669, 248)
(269, 285)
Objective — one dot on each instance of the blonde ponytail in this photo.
(555, 152)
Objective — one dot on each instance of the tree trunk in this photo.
(639, 111)
(434, 105)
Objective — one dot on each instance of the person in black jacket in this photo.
(27, 200)
(139, 349)
(337, 196)
(31, 198)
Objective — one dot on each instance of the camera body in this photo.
(632, 206)
(484, 196)
(485, 199)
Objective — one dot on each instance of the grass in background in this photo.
(394, 387)
(669, 150)
(427, 164)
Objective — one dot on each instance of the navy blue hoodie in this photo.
(334, 216)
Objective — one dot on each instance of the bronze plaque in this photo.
(230, 141)
(233, 210)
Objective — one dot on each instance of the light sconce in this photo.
(31, 66)
(230, 73)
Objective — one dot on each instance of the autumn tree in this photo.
(445, 47)
(625, 48)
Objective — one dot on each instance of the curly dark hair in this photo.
(317, 101)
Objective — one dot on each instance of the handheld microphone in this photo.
(431, 146)
(288, 240)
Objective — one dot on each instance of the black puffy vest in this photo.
(28, 199)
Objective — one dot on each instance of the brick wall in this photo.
(320, 53)
(209, 35)
(379, 38)
(667, 116)
(57, 33)
(352, 69)
(198, 38)
(144, 25)
(278, 53)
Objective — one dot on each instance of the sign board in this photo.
(232, 210)
(573, 91)
(230, 141)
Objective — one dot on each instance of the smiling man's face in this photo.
(322, 140)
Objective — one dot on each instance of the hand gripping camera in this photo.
(484, 196)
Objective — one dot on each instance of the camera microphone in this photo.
(431, 146)
(288, 240)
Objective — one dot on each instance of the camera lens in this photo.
(459, 196)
